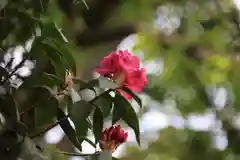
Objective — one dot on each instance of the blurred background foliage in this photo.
(190, 50)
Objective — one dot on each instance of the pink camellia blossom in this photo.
(112, 137)
(123, 68)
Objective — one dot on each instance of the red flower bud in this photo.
(112, 137)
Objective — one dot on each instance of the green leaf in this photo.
(80, 110)
(46, 111)
(79, 114)
(57, 60)
(97, 124)
(53, 78)
(37, 51)
(9, 107)
(127, 113)
(117, 114)
(67, 128)
(105, 102)
(135, 97)
(81, 129)
(50, 29)
(67, 57)
(40, 93)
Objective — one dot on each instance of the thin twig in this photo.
(77, 154)
(18, 66)
(48, 128)
(26, 110)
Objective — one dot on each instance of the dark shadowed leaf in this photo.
(80, 110)
(53, 78)
(81, 129)
(105, 102)
(79, 114)
(127, 114)
(117, 113)
(46, 111)
(37, 51)
(9, 107)
(44, 89)
(40, 93)
(66, 56)
(68, 129)
(97, 124)
(50, 29)
(35, 95)
(135, 97)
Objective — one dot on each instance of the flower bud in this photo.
(112, 137)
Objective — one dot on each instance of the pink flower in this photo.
(124, 69)
(112, 137)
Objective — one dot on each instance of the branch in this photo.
(48, 128)
(77, 154)
(18, 66)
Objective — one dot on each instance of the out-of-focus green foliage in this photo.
(198, 42)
